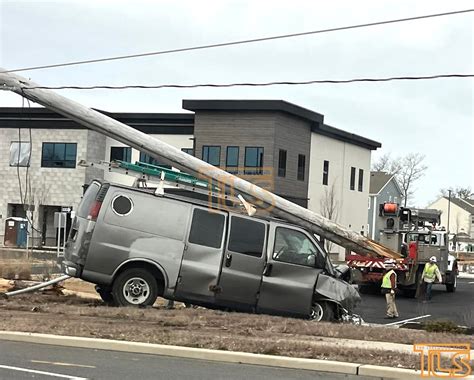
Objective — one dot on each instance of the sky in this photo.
(434, 118)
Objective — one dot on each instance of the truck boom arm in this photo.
(160, 150)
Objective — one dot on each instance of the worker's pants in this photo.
(428, 286)
(391, 307)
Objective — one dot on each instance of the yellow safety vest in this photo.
(430, 271)
(386, 283)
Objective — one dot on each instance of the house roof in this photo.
(465, 204)
(316, 120)
(378, 180)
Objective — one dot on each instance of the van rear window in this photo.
(88, 199)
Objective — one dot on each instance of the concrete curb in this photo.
(214, 355)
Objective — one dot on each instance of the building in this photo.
(461, 216)
(383, 188)
(278, 145)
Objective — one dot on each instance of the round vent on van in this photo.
(122, 205)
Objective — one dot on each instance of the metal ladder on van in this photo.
(164, 177)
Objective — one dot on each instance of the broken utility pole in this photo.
(160, 150)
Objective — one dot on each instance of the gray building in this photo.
(274, 144)
(383, 189)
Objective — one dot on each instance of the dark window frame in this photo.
(232, 165)
(352, 180)
(189, 151)
(127, 157)
(325, 172)
(53, 162)
(300, 176)
(360, 182)
(205, 154)
(256, 169)
(282, 158)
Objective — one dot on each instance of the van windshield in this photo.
(88, 199)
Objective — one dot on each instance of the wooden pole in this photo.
(160, 150)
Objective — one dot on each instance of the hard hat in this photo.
(389, 264)
(433, 259)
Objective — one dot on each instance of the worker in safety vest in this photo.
(389, 284)
(430, 273)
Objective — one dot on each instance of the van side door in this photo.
(243, 263)
(202, 255)
(291, 272)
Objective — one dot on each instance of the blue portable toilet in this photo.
(16, 232)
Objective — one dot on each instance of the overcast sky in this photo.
(434, 118)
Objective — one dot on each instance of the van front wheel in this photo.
(135, 287)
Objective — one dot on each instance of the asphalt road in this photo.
(27, 361)
(457, 307)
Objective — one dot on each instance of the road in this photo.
(26, 361)
(457, 307)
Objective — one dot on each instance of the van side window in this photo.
(246, 237)
(206, 228)
(294, 247)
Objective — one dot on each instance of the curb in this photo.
(214, 355)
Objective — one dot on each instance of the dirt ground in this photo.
(79, 312)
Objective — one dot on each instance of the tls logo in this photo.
(458, 353)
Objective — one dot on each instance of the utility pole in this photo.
(449, 209)
(160, 150)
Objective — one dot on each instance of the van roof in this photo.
(195, 198)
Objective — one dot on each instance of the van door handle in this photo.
(268, 270)
(228, 259)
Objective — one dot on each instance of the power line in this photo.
(239, 42)
(248, 84)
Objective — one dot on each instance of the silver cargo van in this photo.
(137, 246)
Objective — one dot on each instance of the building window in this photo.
(232, 157)
(301, 167)
(353, 178)
(325, 172)
(20, 153)
(147, 159)
(59, 155)
(189, 151)
(282, 163)
(253, 160)
(211, 154)
(121, 153)
(361, 180)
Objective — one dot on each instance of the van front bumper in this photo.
(71, 269)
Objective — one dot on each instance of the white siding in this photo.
(352, 204)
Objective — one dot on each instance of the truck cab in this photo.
(136, 246)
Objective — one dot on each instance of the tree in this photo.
(329, 209)
(386, 164)
(457, 192)
(407, 171)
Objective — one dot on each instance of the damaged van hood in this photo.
(337, 290)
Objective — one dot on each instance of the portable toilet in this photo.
(16, 232)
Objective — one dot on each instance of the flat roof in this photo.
(315, 119)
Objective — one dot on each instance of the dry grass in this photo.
(15, 270)
(75, 316)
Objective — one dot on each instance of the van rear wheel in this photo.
(135, 287)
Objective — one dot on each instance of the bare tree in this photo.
(386, 164)
(329, 206)
(412, 169)
(457, 192)
(407, 171)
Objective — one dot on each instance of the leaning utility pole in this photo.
(160, 150)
